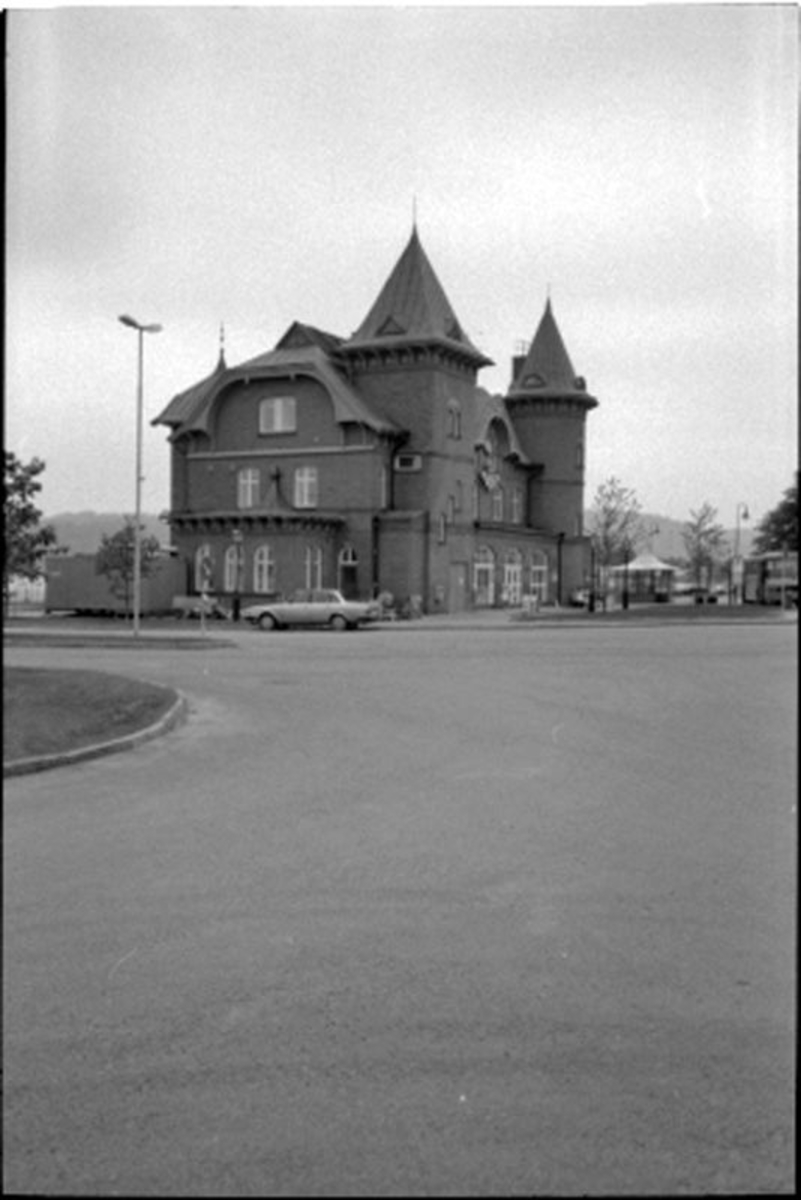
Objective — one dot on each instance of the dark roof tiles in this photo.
(547, 369)
(412, 307)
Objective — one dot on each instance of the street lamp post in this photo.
(137, 579)
(560, 538)
(239, 573)
(742, 510)
(626, 556)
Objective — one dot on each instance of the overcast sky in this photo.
(194, 166)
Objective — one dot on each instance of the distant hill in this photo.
(668, 543)
(83, 532)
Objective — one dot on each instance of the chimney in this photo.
(517, 365)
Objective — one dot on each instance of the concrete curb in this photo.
(109, 641)
(175, 716)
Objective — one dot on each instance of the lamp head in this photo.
(134, 324)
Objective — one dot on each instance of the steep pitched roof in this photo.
(300, 335)
(186, 405)
(547, 370)
(412, 307)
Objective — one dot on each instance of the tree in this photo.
(778, 529)
(704, 542)
(115, 559)
(26, 540)
(615, 527)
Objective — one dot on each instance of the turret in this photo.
(549, 403)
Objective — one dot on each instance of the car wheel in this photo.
(267, 621)
(338, 622)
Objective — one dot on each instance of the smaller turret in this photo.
(549, 403)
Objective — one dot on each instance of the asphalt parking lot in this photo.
(496, 911)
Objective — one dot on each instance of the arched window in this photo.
(230, 563)
(512, 577)
(263, 570)
(538, 576)
(454, 419)
(204, 568)
(314, 567)
(484, 577)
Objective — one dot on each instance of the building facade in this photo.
(378, 464)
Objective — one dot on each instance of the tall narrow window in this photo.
(263, 570)
(539, 576)
(204, 568)
(230, 569)
(306, 487)
(484, 577)
(497, 503)
(517, 505)
(314, 567)
(247, 492)
(512, 577)
(277, 415)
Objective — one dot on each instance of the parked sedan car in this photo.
(323, 606)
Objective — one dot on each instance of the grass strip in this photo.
(53, 711)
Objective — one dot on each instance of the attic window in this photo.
(454, 331)
(277, 415)
(390, 328)
(534, 381)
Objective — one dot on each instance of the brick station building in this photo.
(376, 463)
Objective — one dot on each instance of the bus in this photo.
(771, 578)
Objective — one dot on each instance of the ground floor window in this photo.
(512, 578)
(314, 567)
(484, 577)
(204, 568)
(538, 576)
(230, 565)
(263, 570)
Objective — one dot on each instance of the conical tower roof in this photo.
(412, 307)
(547, 370)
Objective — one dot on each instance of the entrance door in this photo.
(513, 578)
(348, 573)
(484, 577)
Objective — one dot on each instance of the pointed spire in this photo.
(412, 307)
(547, 369)
(221, 362)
